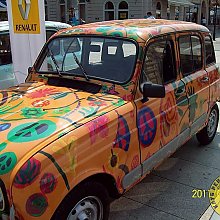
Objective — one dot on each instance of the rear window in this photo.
(209, 51)
(190, 54)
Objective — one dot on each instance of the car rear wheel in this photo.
(89, 201)
(207, 134)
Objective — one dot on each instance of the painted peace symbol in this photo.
(7, 162)
(31, 131)
(147, 126)
(123, 134)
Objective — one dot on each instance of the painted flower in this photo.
(41, 93)
(48, 183)
(97, 103)
(33, 112)
(98, 127)
(40, 103)
(128, 97)
(28, 173)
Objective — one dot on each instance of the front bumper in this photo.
(11, 216)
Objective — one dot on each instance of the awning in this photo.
(180, 3)
(3, 5)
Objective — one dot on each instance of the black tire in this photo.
(207, 134)
(87, 196)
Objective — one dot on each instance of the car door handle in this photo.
(205, 79)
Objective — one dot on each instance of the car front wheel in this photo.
(207, 134)
(89, 201)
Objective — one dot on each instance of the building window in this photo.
(62, 11)
(158, 10)
(123, 10)
(109, 11)
(46, 10)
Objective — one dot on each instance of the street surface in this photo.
(167, 193)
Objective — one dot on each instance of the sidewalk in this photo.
(166, 193)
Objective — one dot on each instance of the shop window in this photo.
(123, 10)
(5, 50)
(159, 65)
(109, 11)
(190, 54)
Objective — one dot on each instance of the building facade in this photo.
(72, 11)
(99, 10)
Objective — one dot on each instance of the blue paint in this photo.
(5, 126)
(147, 126)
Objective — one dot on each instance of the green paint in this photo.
(2, 146)
(119, 102)
(60, 170)
(7, 162)
(31, 131)
(61, 111)
(6, 109)
(33, 112)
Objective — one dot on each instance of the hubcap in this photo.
(89, 208)
(212, 123)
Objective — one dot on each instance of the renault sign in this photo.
(27, 33)
(25, 16)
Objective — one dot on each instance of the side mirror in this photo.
(151, 90)
(30, 69)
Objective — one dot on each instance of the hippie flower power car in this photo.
(102, 106)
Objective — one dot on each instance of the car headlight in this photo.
(4, 204)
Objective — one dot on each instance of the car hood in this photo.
(34, 115)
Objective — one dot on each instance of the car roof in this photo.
(137, 29)
(4, 25)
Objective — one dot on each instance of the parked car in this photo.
(79, 133)
(7, 76)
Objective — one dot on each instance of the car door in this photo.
(160, 120)
(195, 78)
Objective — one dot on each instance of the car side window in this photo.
(190, 54)
(209, 51)
(5, 49)
(159, 65)
(49, 33)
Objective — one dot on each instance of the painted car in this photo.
(79, 133)
(7, 76)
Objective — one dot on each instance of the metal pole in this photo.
(215, 18)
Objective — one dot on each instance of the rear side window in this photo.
(209, 51)
(190, 54)
(159, 66)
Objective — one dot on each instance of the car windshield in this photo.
(109, 59)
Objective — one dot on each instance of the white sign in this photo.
(27, 33)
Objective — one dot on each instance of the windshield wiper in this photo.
(81, 66)
(55, 62)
